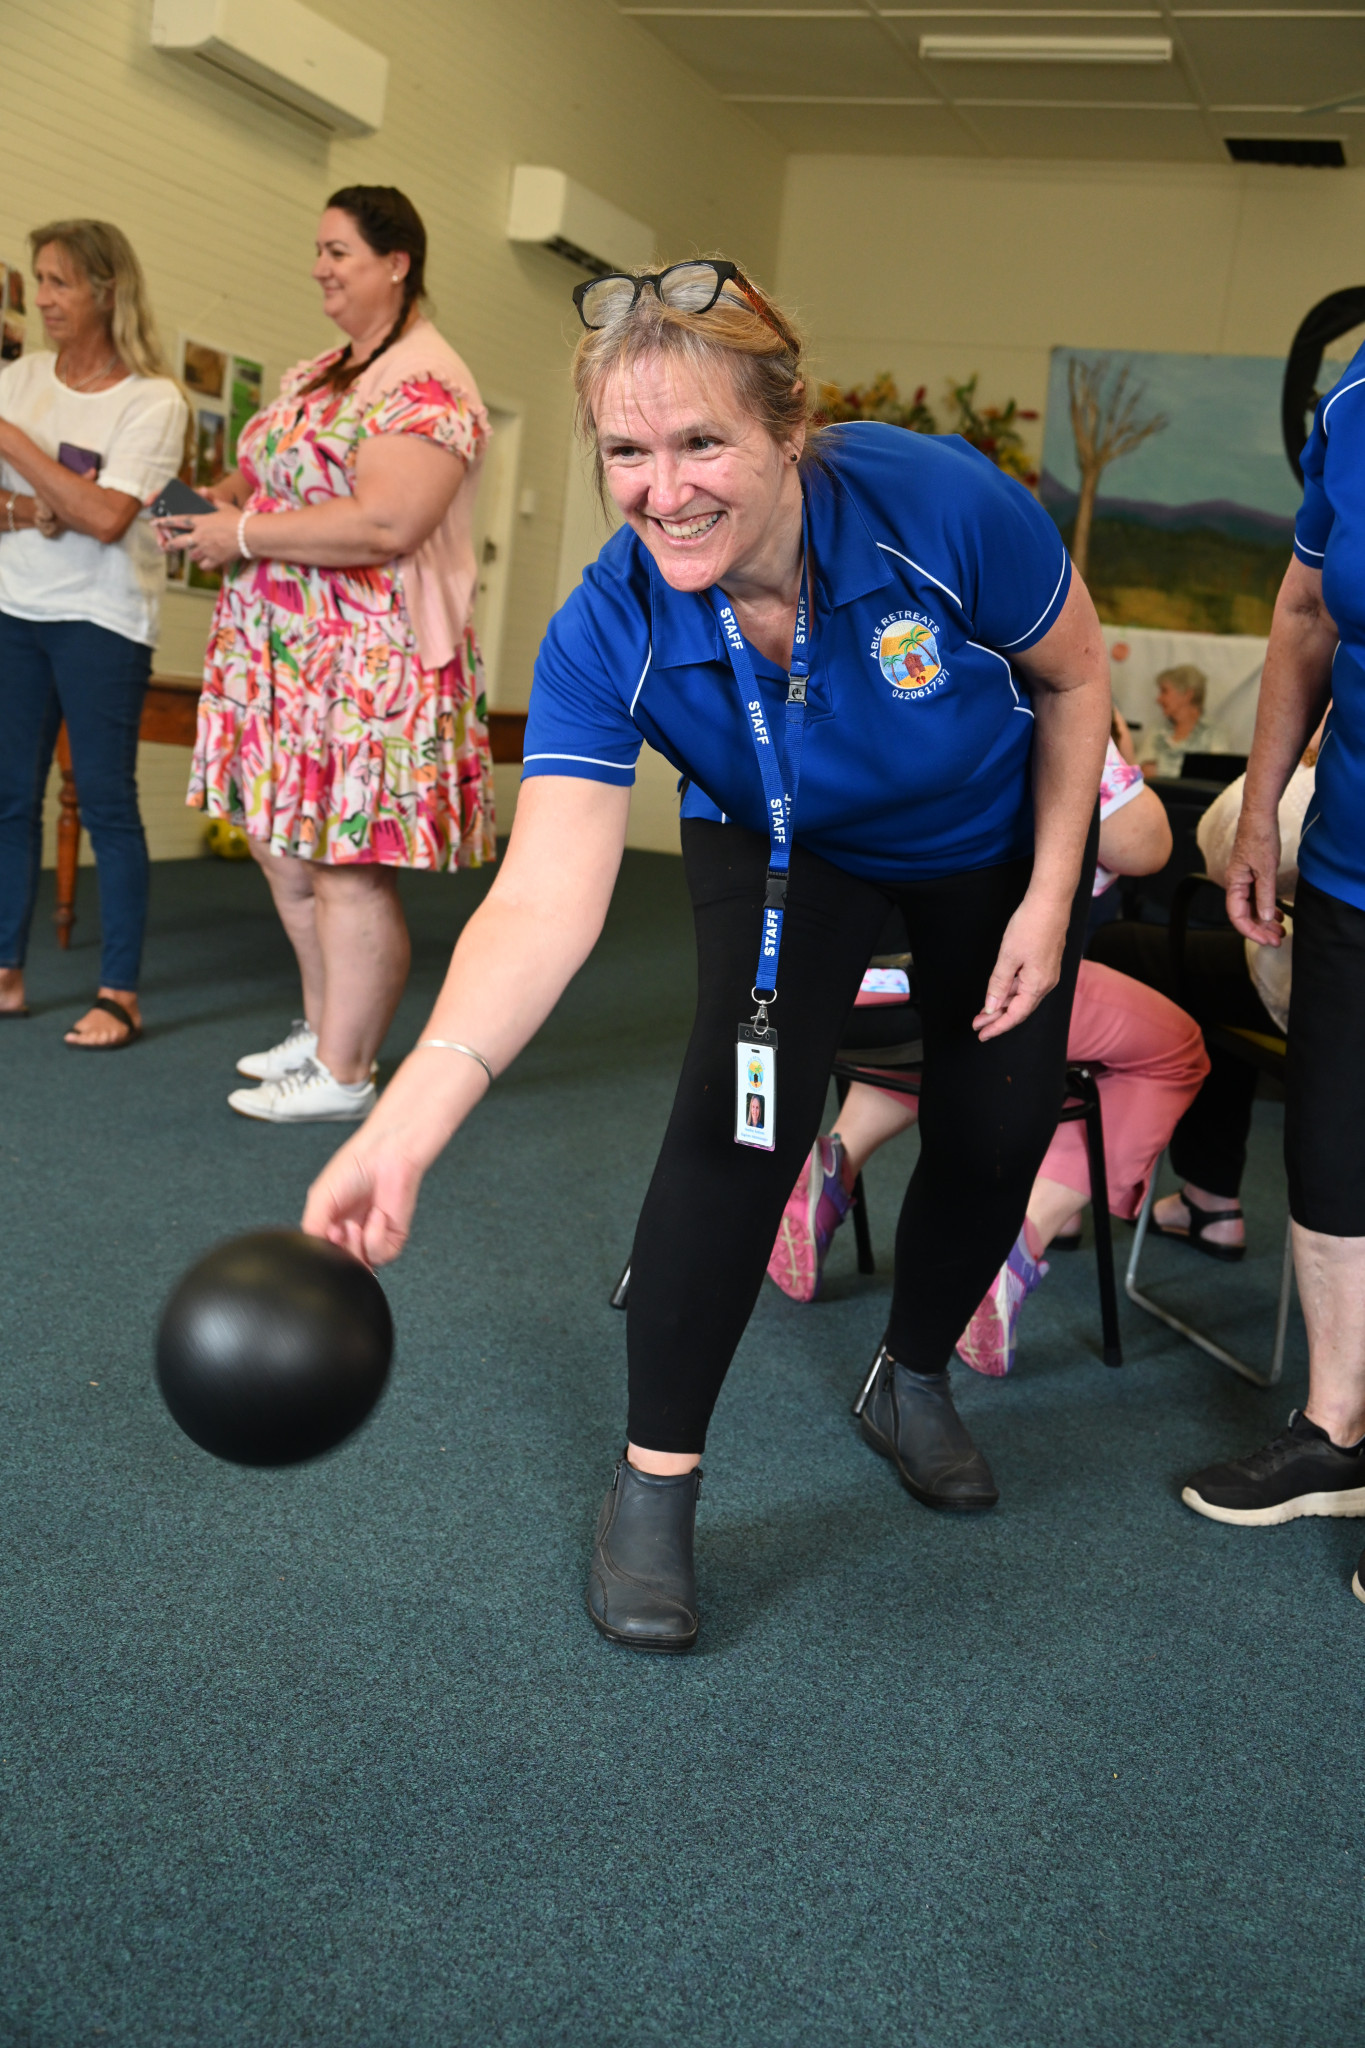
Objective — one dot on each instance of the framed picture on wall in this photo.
(245, 399)
(13, 313)
(204, 369)
(224, 390)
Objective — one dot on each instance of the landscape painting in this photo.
(1168, 478)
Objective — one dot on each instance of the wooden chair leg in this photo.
(68, 844)
(1099, 1210)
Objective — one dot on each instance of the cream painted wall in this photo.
(932, 268)
(220, 194)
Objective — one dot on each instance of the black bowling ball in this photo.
(274, 1348)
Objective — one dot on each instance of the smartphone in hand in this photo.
(178, 501)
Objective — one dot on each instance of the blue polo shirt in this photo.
(1330, 535)
(931, 570)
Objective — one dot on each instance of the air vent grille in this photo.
(1314, 152)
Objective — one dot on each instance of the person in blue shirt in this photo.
(868, 658)
(1316, 1466)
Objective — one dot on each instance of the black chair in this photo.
(1268, 1055)
(1148, 899)
(1219, 768)
(884, 1047)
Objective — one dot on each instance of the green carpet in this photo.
(333, 1755)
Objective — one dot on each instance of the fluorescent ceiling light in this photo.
(988, 49)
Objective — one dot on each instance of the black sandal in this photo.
(1200, 1220)
(113, 1009)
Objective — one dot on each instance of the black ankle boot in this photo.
(642, 1590)
(909, 1417)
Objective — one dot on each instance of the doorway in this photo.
(495, 510)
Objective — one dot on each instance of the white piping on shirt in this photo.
(1009, 672)
(886, 550)
(1339, 393)
(1304, 549)
(640, 685)
(1046, 608)
(589, 760)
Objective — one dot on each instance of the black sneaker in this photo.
(1301, 1473)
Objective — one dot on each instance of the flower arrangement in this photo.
(994, 429)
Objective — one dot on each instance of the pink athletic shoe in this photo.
(815, 1208)
(991, 1338)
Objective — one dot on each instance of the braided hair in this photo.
(389, 224)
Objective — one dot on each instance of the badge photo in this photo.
(756, 1092)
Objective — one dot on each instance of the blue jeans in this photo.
(50, 670)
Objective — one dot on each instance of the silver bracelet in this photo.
(12, 527)
(453, 1045)
(243, 550)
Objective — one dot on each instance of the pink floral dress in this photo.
(319, 729)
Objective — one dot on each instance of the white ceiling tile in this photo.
(1276, 63)
(1142, 135)
(779, 55)
(866, 131)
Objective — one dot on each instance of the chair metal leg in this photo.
(1099, 1211)
(620, 1293)
(862, 1231)
(870, 1381)
(1172, 1322)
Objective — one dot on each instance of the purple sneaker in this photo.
(815, 1208)
(991, 1338)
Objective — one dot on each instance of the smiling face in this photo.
(710, 493)
(73, 312)
(359, 288)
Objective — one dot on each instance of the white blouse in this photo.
(137, 430)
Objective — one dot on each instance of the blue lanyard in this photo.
(779, 788)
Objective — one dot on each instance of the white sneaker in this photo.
(291, 1052)
(309, 1095)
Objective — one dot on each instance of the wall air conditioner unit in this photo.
(283, 50)
(550, 210)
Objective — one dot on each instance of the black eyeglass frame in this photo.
(725, 273)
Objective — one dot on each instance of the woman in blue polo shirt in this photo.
(867, 656)
(1316, 1466)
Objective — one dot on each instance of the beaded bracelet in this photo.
(243, 550)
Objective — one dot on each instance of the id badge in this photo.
(756, 1088)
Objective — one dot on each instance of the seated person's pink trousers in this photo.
(1154, 1061)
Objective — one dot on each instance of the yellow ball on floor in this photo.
(227, 840)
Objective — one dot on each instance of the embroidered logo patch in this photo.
(905, 648)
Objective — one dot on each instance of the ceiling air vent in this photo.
(1316, 152)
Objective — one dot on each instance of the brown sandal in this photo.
(112, 1009)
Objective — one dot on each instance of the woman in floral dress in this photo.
(342, 720)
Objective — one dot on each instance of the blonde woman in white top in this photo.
(88, 433)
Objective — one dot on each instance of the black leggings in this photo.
(987, 1113)
(1324, 1097)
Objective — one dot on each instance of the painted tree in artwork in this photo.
(1107, 422)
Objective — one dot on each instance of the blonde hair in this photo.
(1189, 680)
(761, 351)
(104, 256)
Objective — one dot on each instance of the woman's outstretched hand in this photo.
(364, 1198)
(1027, 967)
